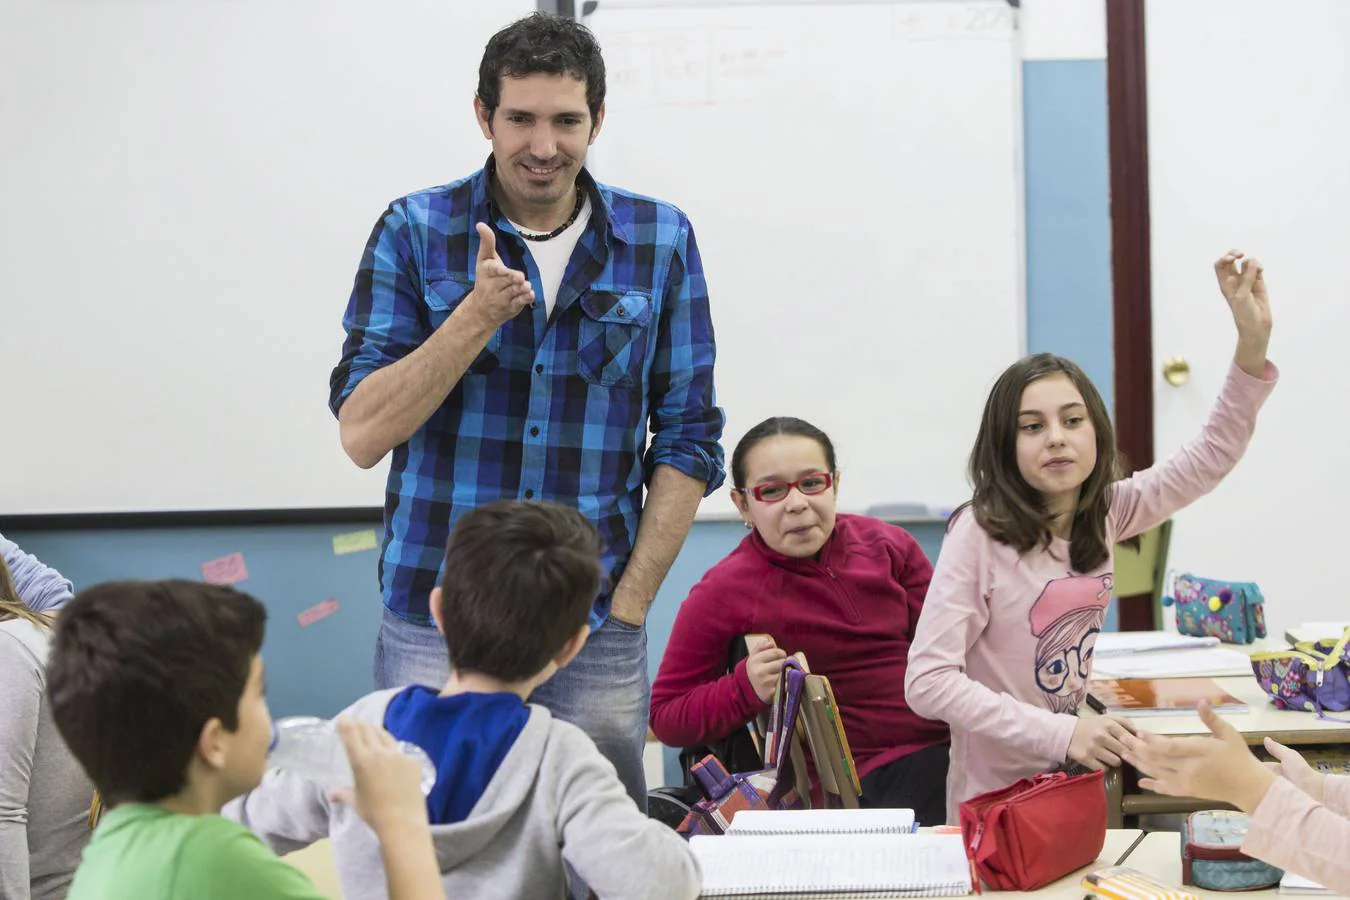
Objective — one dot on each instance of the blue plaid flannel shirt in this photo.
(550, 409)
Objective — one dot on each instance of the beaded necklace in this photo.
(547, 235)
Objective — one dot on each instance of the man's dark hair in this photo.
(553, 45)
(520, 580)
(137, 668)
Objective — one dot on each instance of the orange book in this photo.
(1159, 696)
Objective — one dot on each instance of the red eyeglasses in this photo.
(773, 491)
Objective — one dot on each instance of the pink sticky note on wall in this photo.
(225, 570)
(316, 612)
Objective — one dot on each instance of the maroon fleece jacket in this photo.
(852, 613)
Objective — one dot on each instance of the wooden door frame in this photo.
(1131, 272)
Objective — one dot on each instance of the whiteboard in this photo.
(188, 188)
(853, 175)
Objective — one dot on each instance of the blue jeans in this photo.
(604, 691)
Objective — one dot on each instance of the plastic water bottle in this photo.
(312, 748)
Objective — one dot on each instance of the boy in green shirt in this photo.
(157, 688)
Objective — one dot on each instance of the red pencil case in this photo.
(1028, 834)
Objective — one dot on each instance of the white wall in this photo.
(1063, 29)
(188, 189)
(1249, 120)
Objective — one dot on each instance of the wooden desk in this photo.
(316, 861)
(1116, 851)
(1262, 720)
(1159, 857)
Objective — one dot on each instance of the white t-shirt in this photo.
(551, 256)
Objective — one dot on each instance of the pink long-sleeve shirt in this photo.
(1003, 650)
(1291, 830)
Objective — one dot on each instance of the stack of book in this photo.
(1163, 654)
(831, 853)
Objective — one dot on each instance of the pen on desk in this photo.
(1095, 704)
(1130, 849)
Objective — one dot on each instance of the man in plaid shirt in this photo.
(513, 334)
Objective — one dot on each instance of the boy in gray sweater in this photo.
(519, 795)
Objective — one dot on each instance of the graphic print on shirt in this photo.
(1066, 619)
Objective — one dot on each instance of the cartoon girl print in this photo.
(1067, 617)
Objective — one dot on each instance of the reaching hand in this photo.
(762, 666)
(1219, 767)
(388, 789)
(1295, 769)
(1098, 741)
(498, 293)
(1244, 287)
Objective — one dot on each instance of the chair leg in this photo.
(1115, 790)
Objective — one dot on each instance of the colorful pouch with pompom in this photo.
(1232, 611)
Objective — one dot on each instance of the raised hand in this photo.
(388, 797)
(1243, 284)
(388, 792)
(499, 293)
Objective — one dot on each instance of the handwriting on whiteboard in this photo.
(697, 67)
(944, 21)
(689, 65)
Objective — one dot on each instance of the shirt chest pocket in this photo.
(443, 295)
(615, 330)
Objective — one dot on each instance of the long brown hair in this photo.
(1012, 511)
(12, 605)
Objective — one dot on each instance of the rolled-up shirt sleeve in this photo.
(385, 318)
(686, 422)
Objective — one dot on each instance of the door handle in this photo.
(1176, 371)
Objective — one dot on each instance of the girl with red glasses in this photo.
(845, 590)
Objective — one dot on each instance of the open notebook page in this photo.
(921, 865)
(1208, 661)
(822, 821)
(1119, 643)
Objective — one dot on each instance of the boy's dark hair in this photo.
(545, 43)
(137, 668)
(520, 580)
(1012, 511)
(773, 427)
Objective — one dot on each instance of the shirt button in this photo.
(534, 431)
(622, 312)
(539, 370)
(529, 492)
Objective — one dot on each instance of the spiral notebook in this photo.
(823, 821)
(832, 866)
